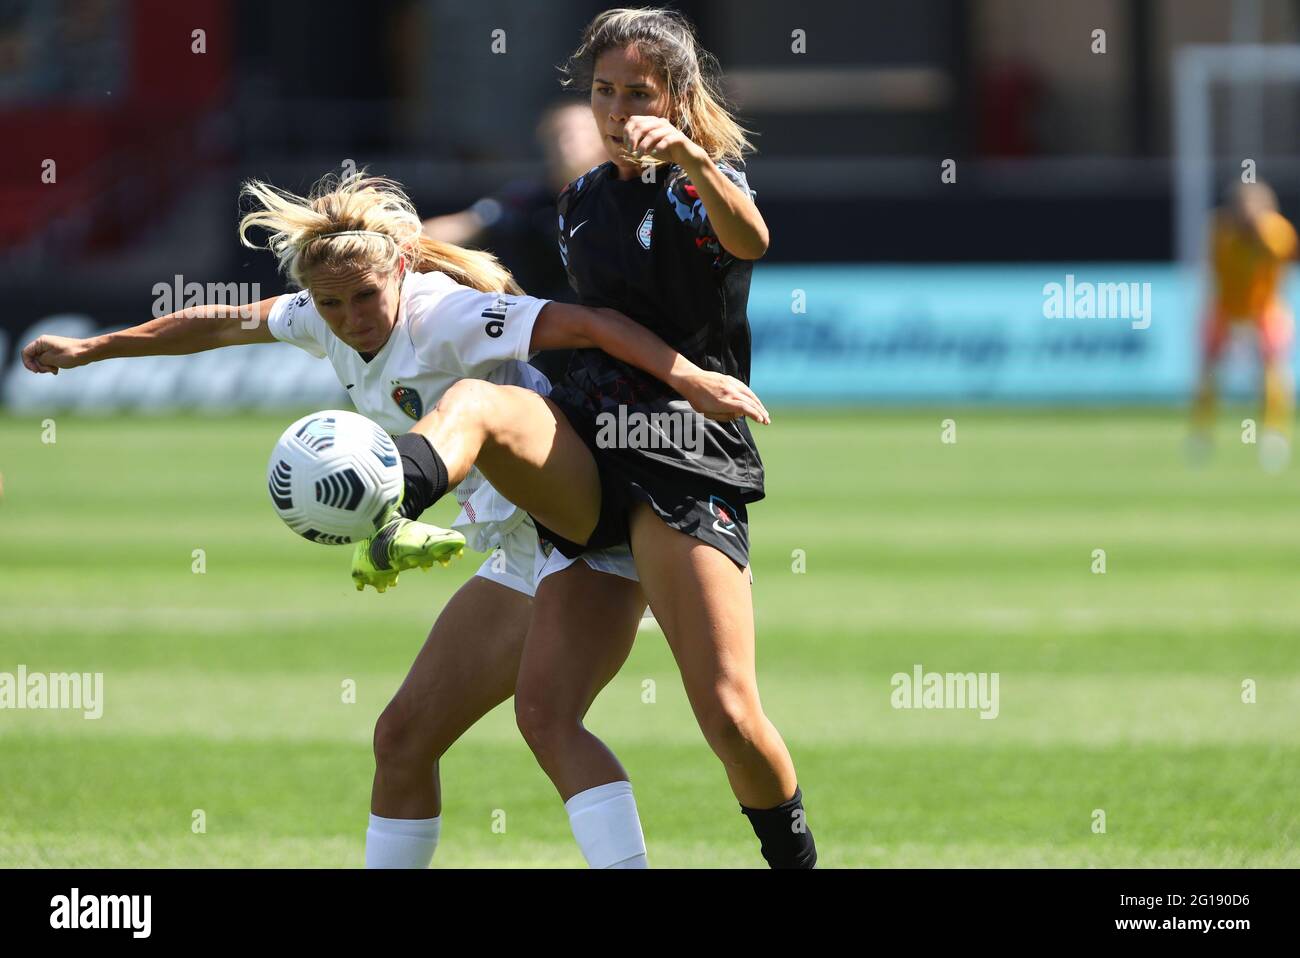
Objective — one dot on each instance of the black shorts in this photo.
(715, 515)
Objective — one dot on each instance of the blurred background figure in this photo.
(1251, 244)
(517, 222)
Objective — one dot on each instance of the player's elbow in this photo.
(753, 247)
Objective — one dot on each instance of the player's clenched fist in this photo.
(49, 354)
(655, 136)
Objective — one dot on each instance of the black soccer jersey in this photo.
(648, 250)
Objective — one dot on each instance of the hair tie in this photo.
(356, 233)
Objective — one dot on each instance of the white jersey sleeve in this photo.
(294, 320)
(472, 332)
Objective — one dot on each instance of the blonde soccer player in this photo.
(674, 250)
(402, 319)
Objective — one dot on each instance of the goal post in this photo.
(1214, 133)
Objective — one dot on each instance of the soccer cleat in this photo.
(402, 544)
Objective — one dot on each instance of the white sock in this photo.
(605, 823)
(401, 842)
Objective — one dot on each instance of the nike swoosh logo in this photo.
(350, 385)
(574, 231)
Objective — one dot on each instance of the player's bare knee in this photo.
(542, 725)
(731, 723)
(466, 403)
(534, 720)
(401, 740)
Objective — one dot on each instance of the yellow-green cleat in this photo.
(402, 544)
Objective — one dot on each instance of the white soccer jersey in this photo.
(444, 332)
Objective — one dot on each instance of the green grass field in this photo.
(1120, 692)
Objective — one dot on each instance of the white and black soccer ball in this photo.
(335, 477)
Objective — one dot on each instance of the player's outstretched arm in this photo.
(713, 395)
(191, 330)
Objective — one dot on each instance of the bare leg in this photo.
(1214, 336)
(466, 667)
(582, 629)
(704, 605)
(1278, 392)
(526, 448)
(1275, 438)
(1203, 407)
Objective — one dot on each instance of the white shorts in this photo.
(519, 563)
(616, 560)
(512, 563)
(487, 517)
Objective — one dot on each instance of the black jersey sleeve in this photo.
(563, 203)
(562, 232)
(686, 203)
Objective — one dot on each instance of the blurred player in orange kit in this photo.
(1251, 243)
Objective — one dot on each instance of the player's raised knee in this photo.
(466, 398)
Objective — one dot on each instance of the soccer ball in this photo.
(334, 477)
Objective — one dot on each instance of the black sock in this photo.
(783, 833)
(424, 472)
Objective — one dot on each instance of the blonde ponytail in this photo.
(359, 220)
(469, 267)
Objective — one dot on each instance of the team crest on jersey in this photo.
(408, 400)
(724, 517)
(643, 231)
